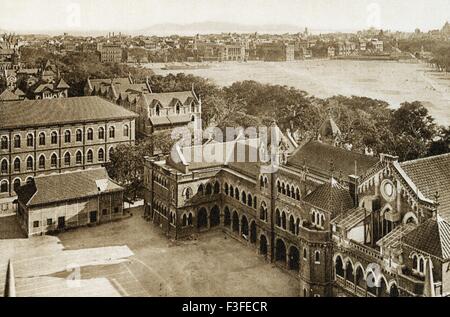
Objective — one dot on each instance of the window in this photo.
(101, 155)
(317, 257)
(4, 167)
(67, 159)
(104, 212)
(54, 161)
(112, 132)
(126, 130)
(226, 189)
(78, 158)
(29, 163)
(17, 165)
(157, 110)
(54, 137)
(4, 143)
(90, 134)
(178, 109)
(116, 210)
(42, 162)
(4, 187)
(36, 224)
(101, 133)
(79, 135)
(67, 136)
(305, 254)
(30, 138)
(90, 156)
(16, 184)
(200, 190)
(42, 138)
(29, 180)
(49, 221)
(17, 141)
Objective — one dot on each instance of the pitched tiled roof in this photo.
(8, 95)
(318, 156)
(67, 186)
(332, 197)
(166, 98)
(60, 111)
(431, 175)
(432, 236)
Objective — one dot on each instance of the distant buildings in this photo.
(57, 135)
(9, 53)
(277, 52)
(59, 201)
(111, 53)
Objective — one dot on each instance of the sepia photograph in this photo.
(241, 151)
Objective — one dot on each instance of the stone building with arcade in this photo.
(340, 222)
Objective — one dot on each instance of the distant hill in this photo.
(216, 27)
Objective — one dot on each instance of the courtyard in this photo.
(132, 257)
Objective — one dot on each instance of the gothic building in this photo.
(341, 222)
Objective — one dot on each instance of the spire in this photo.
(428, 288)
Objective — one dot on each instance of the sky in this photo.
(132, 15)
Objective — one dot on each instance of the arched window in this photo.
(30, 140)
(415, 262)
(201, 190)
(67, 136)
(249, 200)
(157, 110)
(54, 137)
(67, 159)
(101, 133)
(422, 265)
(42, 162)
(278, 186)
(226, 190)
(17, 141)
(42, 138)
(4, 143)
(126, 130)
(177, 109)
(54, 161)
(29, 163)
(231, 191)
(317, 257)
(187, 193)
(4, 167)
(90, 134)
(110, 152)
(78, 158)
(297, 194)
(79, 135)
(278, 218)
(101, 155)
(90, 156)
(16, 184)
(17, 165)
(208, 189)
(236, 193)
(216, 188)
(4, 186)
(244, 197)
(112, 132)
(29, 180)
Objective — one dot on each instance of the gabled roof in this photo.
(329, 128)
(432, 236)
(8, 95)
(431, 175)
(331, 197)
(27, 113)
(318, 156)
(62, 84)
(166, 99)
(65, 187)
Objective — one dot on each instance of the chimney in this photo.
(353, 183)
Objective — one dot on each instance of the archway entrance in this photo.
(393, 292)
(339, 267)
(253, 232)
(235, 222)
(294, 259)
(360, 278)
(349, 275)
(280, 251)
(214, 217)
(202, 218)
(244, 226)
(263, 245)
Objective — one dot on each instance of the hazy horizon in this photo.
(84, 16)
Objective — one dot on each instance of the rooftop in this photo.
(67, 186)
(41, 112)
